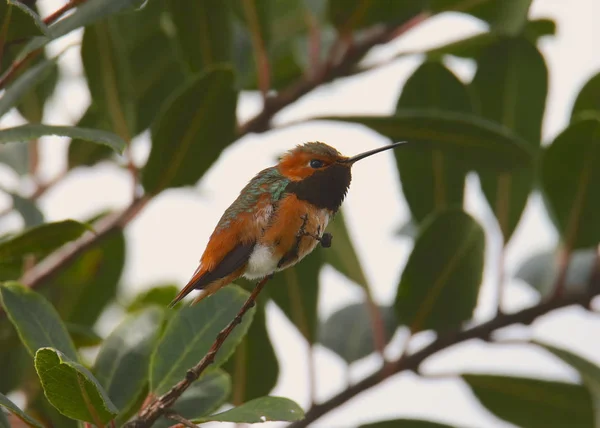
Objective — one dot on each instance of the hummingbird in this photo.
(277, 219)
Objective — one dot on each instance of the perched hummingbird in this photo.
(277, 219)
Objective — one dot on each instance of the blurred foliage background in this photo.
(174, 71)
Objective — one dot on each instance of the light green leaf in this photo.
(588, 99)
(440, 283)
(159, 296)
(23, 84)
(533, 403)
(72, 389)
(260, 410)
(193, 129)
(590, 373)
(32, 131)
(342, 255)
(349, 331)
(510, 87)
(203, 397)
(15, 156)
(11, 407)
(42, 239)
(430, 180)
(31, 214)
(192, 331)
(469, 139)
(122, 364)
(570, 178)
(83, 336)
(36, 321)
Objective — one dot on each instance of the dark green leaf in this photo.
(541, 271)
(510, 88)
(81, 290)
(33, 16)
(431, 181)
(570, 178)
(588, 99)
(32, 102)
(202, 398)
(192, 131)
(109, 77)
(15, 24)
(192, 331)
(32, 131)
(32, 216)
(254, 367)
(296, 291)
(81, 153)
(533, 403)
(4, 420)
(36, 321)
(342, 255)
(15, 362)
(348, 15)
(349, 331)
(83, 336)
(24, 83)
(440, 283)
(42, 239)
(469, 139)
(260, 410)
(11, 407)
(589, 372)
(124, 359)
(15, 156)
(405, 423)
(203, 31)
(72, 389)
(160, 296)
(471, 47)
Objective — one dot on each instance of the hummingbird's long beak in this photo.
(371, 152)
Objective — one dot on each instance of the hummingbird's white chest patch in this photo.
(261, 263)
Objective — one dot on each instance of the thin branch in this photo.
(413, 361)
(178, 418)
(161, 405)
(53, 17)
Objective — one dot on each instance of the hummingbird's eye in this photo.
(316, 163)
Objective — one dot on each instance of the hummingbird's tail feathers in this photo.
(202, 279)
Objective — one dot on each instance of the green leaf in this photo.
(36, 321)
(192, 331)
(588, 99)
(203, 397)
(32, 102)
(107, 69)
(197, 124)
(440, 283)
(349, 331)
(260, 410)
(42, 239)
(24, 83)
(32, 131)
(469, 139)
(405, 423)
(31, 214)
(540, 271)
(570, 178)
(4, 420)
(348, 15)
(533, 403)
(81, 153)
(510, 87)
(35, 18)
(15, 156)
(11, 407)
(342, 255)
(159, 296)
(81, 290)
(203, 32)
(83, 336)
(408, 229)
(431, 181)
(296, 291)
(72, 389)
(254, 367)
(471, 47)
(122, 364)
(590, 373)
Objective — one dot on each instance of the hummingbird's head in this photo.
(306, 159)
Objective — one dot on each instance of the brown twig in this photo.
(413, 361)
(161, 405)
(178, 418)
(53, 17)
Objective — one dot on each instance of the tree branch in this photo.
(413, 361)
(161, 405)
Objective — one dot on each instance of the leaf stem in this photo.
(161, 405)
